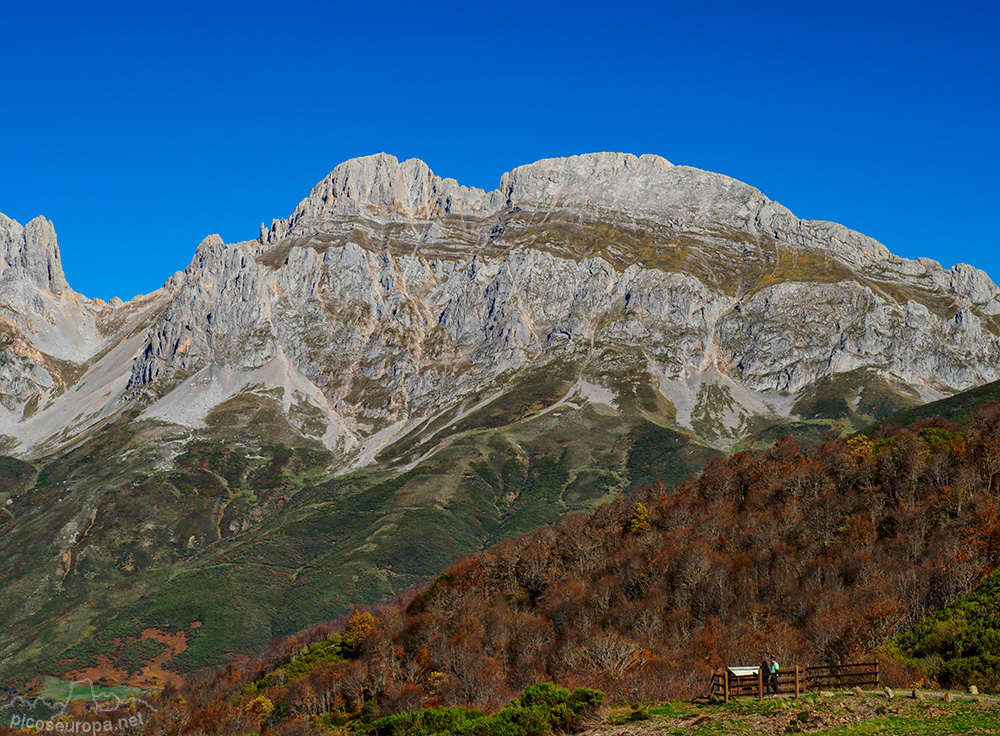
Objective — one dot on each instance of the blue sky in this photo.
(140, 128)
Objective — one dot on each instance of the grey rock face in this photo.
(220, 313)
(32, 321)
(31, 251)
(49, 337)
(390, 294)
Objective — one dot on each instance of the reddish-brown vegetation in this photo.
(810, 553)
(154, 672)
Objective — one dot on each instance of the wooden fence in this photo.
(795, 680)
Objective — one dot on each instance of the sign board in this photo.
(744, 671)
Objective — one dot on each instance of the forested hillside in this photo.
(810, 552)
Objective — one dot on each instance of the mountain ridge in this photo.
(383, 176)
(223, 308)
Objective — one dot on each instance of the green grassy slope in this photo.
(849, 401)
(955, 408)
(246, 536)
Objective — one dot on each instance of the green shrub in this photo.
(323, 652)
(960, 645)
(539, 711)
(425, 722)
(638, 714)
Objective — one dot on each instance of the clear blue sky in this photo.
(140, 128)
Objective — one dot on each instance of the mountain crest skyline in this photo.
(379, 185)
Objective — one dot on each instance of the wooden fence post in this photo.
(760, 685)
(725, 674)
(796, 681)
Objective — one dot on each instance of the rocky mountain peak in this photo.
(31, 250)
(209, 242)
(381, 186)
(643, 189)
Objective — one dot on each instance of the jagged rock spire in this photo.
(32, 250)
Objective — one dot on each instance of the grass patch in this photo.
(856, 397)
(839, 716)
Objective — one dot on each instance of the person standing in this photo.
(774, 676)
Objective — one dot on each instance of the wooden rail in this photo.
(795, 680)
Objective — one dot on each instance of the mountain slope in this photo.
(230, 551)
(957, 408)
(406, 370)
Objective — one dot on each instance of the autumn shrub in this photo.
(640, 519)
(261, 708)
(895, 672)
(402, 697)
